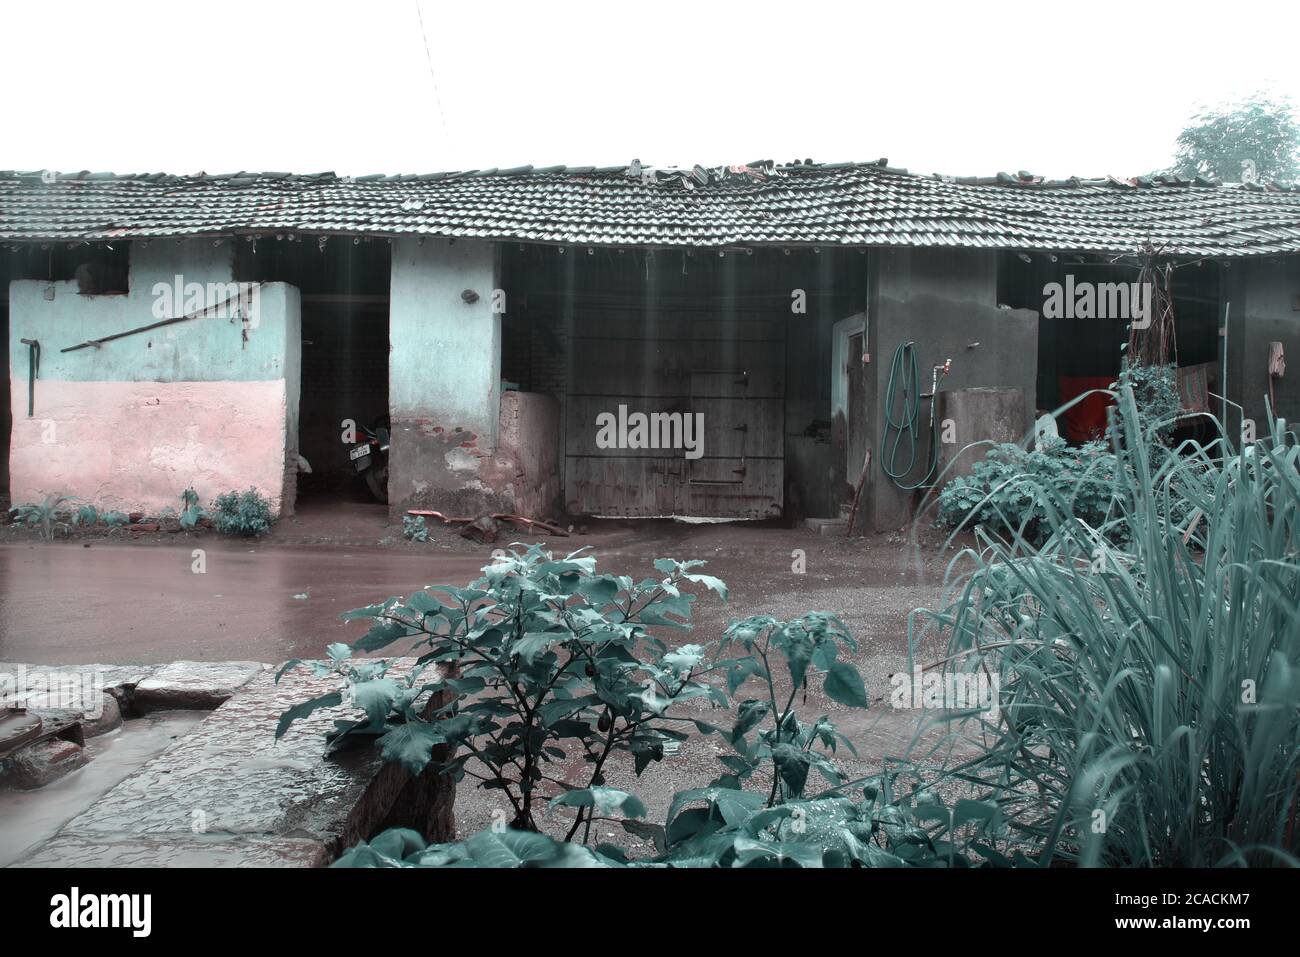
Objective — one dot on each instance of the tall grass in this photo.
(1149, 666)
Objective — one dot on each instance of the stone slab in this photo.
(70, 850)
(827, 526)
(117, 680)
(193, 685)
(229, 775)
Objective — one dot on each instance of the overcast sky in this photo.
(967, 88)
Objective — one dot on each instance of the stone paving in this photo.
(228, 793)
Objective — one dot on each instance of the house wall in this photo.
(130, 424)
(1264, 297)
(942, 300)
(444, 379)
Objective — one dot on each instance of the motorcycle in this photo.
(370, 458)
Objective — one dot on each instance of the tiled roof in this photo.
(851, 204)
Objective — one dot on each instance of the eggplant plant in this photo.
(545, 662)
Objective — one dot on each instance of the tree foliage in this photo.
(1260, 135)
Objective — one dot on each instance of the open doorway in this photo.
(344, 283)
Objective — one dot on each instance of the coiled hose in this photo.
(904, 368)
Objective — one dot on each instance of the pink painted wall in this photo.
(138, 445)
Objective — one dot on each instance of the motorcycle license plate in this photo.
(360, 452)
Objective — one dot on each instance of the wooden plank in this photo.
(619, 367)
(732, 427)
(757, 495)
(628, 487)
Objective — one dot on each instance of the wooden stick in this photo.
(862, 480)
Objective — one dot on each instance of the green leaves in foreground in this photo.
(545, 669)
(722, 827)
(1150, 681)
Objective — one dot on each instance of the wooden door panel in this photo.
(624, 486)
(730, 369)
(630, 367)
(732, 427)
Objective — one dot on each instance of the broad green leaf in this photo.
(844, 684)
(331, 700)
(604, 800)
(511, 848)
(411, 744)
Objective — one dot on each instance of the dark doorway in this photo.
(344, 286)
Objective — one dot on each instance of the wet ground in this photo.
(159, 601)
(217, 599)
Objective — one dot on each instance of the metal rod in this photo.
(152, 325)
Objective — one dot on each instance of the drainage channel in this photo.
(33, 817)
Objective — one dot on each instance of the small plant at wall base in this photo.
(999, 494)
(555, 661)
(45, 515)
(414, 528)
(246, 513)
(191, 513)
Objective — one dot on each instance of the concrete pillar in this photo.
(444, 376)
(982, 414)
(945, 301)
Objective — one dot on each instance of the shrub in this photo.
(1158, 404)
(1150, 711)
(999, 494)
(245, 513)
(553, 661)
(414, 528)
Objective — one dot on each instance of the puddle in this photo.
(28, 818)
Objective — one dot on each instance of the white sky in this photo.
(968, 88)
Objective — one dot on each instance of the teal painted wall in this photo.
(445, 359)
(198, 350)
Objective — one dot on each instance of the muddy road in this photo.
(74, 603)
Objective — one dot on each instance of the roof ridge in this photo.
(701, 176)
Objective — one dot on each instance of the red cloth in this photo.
(1087, 419)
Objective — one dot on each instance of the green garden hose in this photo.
(904, 367)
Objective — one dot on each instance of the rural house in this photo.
(623, 341)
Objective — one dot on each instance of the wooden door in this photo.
(727, 371)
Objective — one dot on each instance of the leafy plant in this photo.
(1151, 691)
(1002, 491)
(549, 659)
(116, 519)
(1000, 494)
(414, 528)
(190, 511)
(44, 515)
(735, 829)
(86, 515)
(1156, 398)
(245, 513)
